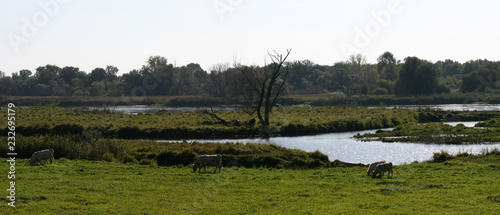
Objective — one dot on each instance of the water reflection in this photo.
(343, 147)
(151, 109)
(452, 107)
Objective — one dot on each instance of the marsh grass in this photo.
(439, 133)
(95, 187)
(165, 125)
(284, 121)
(90, 145)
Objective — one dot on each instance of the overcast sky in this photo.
(91, 33)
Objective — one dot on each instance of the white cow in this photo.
(383, 167)
(42, 155)
(208, 160)
(372, 167)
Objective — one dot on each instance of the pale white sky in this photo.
(91, 33)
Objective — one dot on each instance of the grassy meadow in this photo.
(465, 185)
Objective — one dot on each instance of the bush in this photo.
(440, 157)
(166, 158)
(68, 129)
(129, 133)
(272, 161)
(148, 162)
(129, 159)
(108, 156)
(317, 155)
(172, 158)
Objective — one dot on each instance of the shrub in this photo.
(129, 159)
(148, 162)
(440, 157)
(129, 133)
(166, 158)
(271, 161)
(317, 155)
(172, 158)
(68, 129)
(107, 156)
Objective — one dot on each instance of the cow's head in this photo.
(194, 168)
(31, 163)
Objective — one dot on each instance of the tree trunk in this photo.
(263, 82)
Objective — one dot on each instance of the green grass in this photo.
(91, 146)
(90, 187)
(284, 121)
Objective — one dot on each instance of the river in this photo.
(343, 147)
(149, 109)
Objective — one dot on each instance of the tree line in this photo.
(158, 77)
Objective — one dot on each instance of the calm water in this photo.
(455, 107)
(148, 109)
(343, 147)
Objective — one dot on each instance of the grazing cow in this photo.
(372, 167)
(208, 160)
(42, 155)
(383, 167)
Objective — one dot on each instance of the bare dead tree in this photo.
(213, 116)
(268, 83)
(208, 113)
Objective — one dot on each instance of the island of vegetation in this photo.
(439, 133)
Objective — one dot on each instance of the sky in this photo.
(89, 33)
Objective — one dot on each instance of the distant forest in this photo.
(158, 77)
